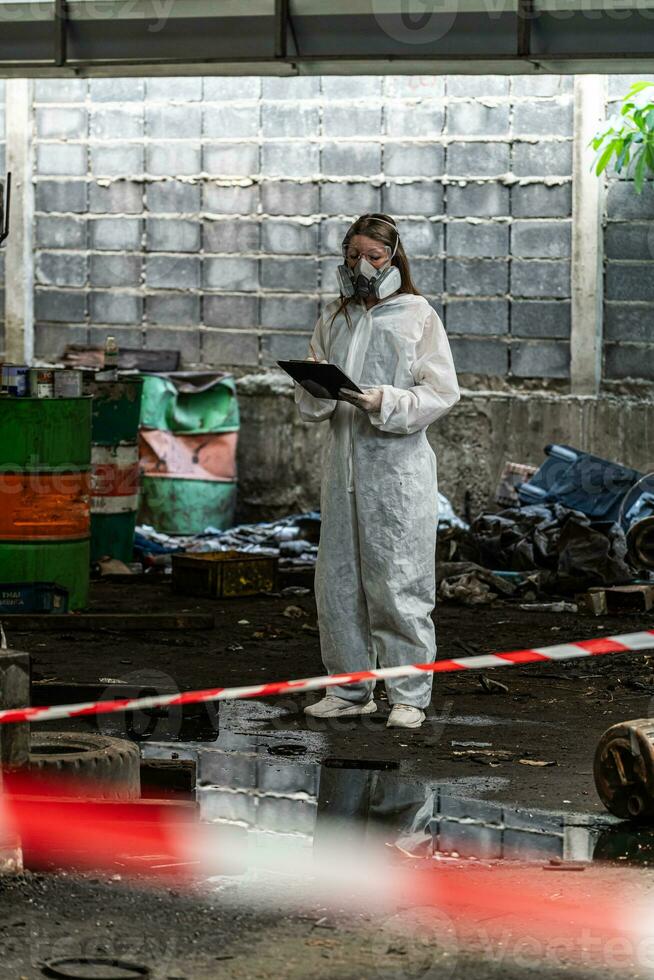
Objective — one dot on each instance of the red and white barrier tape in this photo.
(626, 643)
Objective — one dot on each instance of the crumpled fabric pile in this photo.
(573, 552)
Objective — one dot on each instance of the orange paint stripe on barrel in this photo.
(41, 506)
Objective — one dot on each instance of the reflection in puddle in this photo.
(268, 788)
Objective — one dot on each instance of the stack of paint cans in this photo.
(20, 381)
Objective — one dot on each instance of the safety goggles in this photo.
(373, 255)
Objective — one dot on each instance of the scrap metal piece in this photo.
(624, 769)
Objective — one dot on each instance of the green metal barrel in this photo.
(189, 434)
(45, 463)
(115, 481)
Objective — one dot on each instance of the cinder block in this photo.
(173, 196)
(464, 118)
(125, 336)
(543, 118)
(628, 361)
(117, 122)
(476, 277)
(118, 197)
(350, 159)
(59, 306)
(622, 202)
(172, 235)
(174, 309)
(413, 159)
(471, 86)
(289, 778)
(288, 197)
(476, 240)
(288, 120)
(540, 318)
(532, 277)
(116, 234)
(236, 770)
(294, 88)
(345, 87)
(116, 270)
(427, 274)
(629, 281)
(231, 200)
(173, 159)
(217, 804)
(232, 121)
(482, 200)
(235, 274)
(60, 89)
(629, 240)
(477, 159)
(117, 89)
(422, 120)
(60, 232)
(421, 236)
(61, 159)
(286, 238)
(414, 86)
(116, 159)
(61, 124)
(173, 271)
(420, 198)
(524, 86)
(225, 89)
(231, 310)
(541, 201)
(187, 342)
(470, 840)
(541, 239)
(547, 157)
(113, 307)
(173, 121)
(51, 339)
(61, 195)
(231, 159)
(546, 359)
(289, 312)
(348, 120)
(456, 807)
(628, 321)
(619, 85)
(60, 269)
(182, 89)
(221, 347)
(231, 235)
(351, 198)
(332, 232)
(477, 316)
(297, 274)
(477, 356)
(283, 346)
(290, 159)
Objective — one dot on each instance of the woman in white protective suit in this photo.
(375, 575)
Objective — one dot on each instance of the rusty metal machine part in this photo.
(624, 770)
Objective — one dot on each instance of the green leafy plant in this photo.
(629, 136)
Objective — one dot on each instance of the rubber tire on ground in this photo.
(111, 765)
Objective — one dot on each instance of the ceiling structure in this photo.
(301, 37)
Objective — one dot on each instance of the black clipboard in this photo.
(327, 377)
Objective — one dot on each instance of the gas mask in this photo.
(365, 280)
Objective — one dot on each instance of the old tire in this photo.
(110, 766)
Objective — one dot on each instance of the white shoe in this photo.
(405, 716)
(334, 707)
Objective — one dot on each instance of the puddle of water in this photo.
(267, 786)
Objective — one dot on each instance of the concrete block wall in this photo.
(206, 213)
(629, 265)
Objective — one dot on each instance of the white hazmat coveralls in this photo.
(375, 575)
